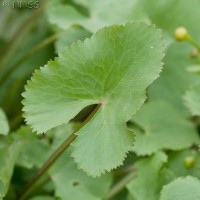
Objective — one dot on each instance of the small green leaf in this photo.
(146, 184)
(113, 69)
(163, 127)
(192, 99)
(182, 189)
(4, 127)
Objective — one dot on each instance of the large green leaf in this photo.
(163, 127)
(93, 14)
(146, 185)
(192, 99)
(182, 189)
(113, 69)
(4, 127)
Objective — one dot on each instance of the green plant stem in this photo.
(196, 120)
(36, 187)
(20, 34)
(123, 170)
(119, 186)
(24, 57)
(47, 164)
(55, 156)
(16, 121)
(193, 42)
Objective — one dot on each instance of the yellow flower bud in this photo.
(189, 162)
(181, 33)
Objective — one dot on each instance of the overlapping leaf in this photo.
(148, 171)
(182, 189)
(112, 69)
(94, 14)
(162, 128)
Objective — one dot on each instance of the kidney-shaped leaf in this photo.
(113, 69)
